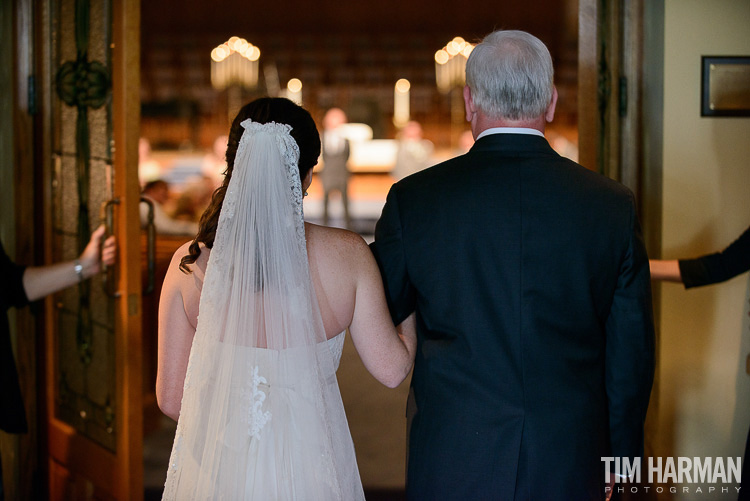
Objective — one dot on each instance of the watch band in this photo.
(78, 267)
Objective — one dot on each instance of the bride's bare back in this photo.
(350, 294)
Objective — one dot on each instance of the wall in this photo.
(704, 406)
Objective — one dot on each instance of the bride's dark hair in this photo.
(263, 110)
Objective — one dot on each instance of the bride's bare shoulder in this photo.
(197, 269)
(328, 243)
(184, 250)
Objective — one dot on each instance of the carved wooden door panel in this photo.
(90, 105)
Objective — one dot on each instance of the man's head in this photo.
(158, 190)
(510, 78)
(334, 118)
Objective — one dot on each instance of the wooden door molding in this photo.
(588, 84)
(610, 76)
(128, 355)
(20, 232)
(620, 79)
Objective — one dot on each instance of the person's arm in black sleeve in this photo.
(719, 266)
(389, 254)
(630, 351)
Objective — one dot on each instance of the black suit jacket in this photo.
(535, 333)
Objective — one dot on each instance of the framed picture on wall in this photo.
(725, 86)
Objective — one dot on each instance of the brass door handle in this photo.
(108, 272)
(150, 246)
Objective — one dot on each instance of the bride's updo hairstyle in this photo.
(263, 110)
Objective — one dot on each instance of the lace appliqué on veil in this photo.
(257, 419)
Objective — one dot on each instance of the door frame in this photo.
(18, 217)
(620, 117)
(94, 471)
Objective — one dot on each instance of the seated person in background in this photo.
(195, 197)
(148, 168)
(158, 192)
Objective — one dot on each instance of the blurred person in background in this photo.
(157, 192)
(335, 174)
(148, 168)
(413, 154)
(214, 164)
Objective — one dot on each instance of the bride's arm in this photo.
(387, 353)
(175, 339)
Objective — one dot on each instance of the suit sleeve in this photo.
(629, 364)
(388, 249)
(717, 267)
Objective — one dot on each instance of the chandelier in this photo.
(235, 62)
(450, 64)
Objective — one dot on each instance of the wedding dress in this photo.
(261, 414)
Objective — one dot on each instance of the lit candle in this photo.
(294, 90)
(401, 102)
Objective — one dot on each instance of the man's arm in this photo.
(389, 254)
(629, 365)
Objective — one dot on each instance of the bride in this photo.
(252, 319)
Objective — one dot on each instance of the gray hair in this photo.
(510, 75)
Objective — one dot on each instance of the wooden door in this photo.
(620, 106)
(90, 112)
(610, 89)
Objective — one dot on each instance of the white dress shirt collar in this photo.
(509, 130)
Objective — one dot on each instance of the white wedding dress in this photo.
(261, 414)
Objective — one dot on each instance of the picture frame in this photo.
(725, 86)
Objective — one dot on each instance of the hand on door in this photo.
(91, 259)
(39, 281)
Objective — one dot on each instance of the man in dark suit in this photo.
(531, 287)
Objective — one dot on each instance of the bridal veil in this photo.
(261, 414)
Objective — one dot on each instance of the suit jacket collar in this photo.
(511, 143)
